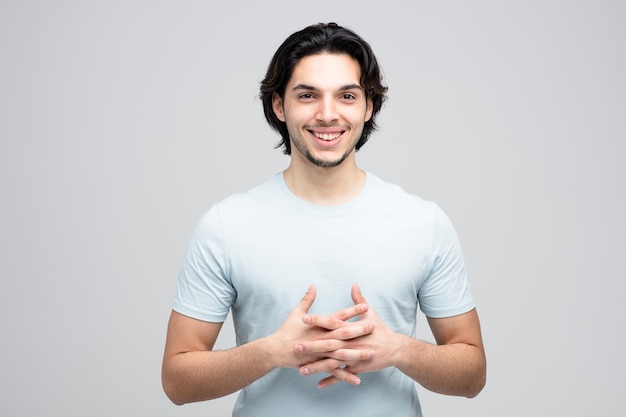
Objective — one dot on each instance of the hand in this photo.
(297, 331)
(379, 346)
(332, 347)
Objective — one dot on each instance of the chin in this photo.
(326, 163)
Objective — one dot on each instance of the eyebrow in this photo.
(311, 88)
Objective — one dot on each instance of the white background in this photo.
(121, 122)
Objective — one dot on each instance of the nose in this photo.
(327, 111)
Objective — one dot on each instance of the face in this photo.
(324, 108)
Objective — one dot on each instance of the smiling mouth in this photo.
(326, 136)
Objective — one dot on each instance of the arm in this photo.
(455, 366)
(192, 371)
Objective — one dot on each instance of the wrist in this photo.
(271, 351)
(406, 351)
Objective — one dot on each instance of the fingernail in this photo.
(355, 381)
(370, 354)
(306, 319)
(299, 348)
(304, 371)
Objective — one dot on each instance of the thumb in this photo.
(308, 299)
(357, 296)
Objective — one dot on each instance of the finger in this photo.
(324, 365)
(357, 296)
(334, 349)
(325, 322)
(308, 299)
(328, 382)
(350, 312)
(337, 319)
(346, 355)
(320, 346)
(336, 359)
(338, 375)
(350, 332)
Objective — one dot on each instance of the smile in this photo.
(327, 136)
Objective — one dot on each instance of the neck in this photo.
(325, 186)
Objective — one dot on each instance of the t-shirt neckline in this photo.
(294, 199)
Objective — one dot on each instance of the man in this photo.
(368, 253)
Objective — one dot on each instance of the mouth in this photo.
(326, 136)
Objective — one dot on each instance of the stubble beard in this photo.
(321, 162)
(299, 145)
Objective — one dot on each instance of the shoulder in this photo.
(266, 190)
(245, 207)
(394, 203)
(394, 196)
(265, 193)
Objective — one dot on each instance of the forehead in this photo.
(326, 70)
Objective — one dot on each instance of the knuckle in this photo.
(342, 354)
(328, 345)
(336, 323)
(330, 365)
(344, 333)
(341, 315)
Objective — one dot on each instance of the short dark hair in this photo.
(315, 39)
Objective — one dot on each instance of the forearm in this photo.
(453, 369)
(192, 371)
(203, 375)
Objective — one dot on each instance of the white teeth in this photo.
(327, 136)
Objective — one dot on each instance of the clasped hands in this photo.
(334, 345)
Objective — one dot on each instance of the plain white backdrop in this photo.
(121, 122)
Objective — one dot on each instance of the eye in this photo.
(348, 96)
(305, 96)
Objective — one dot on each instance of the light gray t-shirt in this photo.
(257, 252)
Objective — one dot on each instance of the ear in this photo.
(277, 106)
(369, 109)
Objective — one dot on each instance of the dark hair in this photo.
(312, 40)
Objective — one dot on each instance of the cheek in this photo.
(296, 115)
(360, 115)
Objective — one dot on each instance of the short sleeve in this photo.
(204, 290)
(445, 291)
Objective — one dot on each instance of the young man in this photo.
(363, 252)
